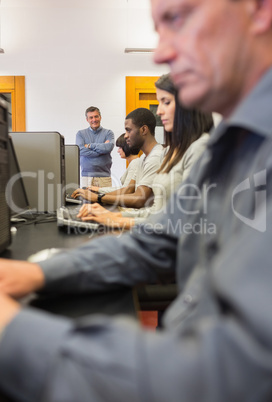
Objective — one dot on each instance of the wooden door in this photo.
(141, 92)
(14, 89)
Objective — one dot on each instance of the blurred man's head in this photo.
(216, 49)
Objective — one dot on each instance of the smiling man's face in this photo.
(94, 119)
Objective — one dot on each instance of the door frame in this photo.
(15, 85)
(135, 85)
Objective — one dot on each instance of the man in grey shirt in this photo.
(214, 238)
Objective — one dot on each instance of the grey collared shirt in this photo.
(215, 240)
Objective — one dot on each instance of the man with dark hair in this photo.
(215, 238)
(140, 133)
(141, 117)
(95, 146)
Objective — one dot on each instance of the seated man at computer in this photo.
(140, 132)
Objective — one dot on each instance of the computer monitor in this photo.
(42, 165)
(72, 168)
(15, 190)
(5, 236)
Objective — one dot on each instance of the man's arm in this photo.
(95, 149)
(106, 262)
(129, 189)
(137, 199)
(221, 357)
(122, 197)
(91, 193)
(81, 142)
(9, 308)
(125, 196)
(128, 196)
(102, 148)
(19, 278)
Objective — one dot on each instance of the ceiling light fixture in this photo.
(138, 50)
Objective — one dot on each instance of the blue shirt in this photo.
(96, 160)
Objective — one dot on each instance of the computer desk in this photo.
(31, 238)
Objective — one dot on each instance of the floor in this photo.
(149, 319)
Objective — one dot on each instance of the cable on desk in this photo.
(34, 218)
(52, 217)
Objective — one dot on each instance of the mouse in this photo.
(43, 254)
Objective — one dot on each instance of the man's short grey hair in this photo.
(92, 109)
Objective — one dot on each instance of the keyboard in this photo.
(70, 200)
(68, 217)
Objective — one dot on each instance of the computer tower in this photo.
(72, 168)
(42, 165)
(15, 191)
(5, 236)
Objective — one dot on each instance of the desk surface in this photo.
(30, 239)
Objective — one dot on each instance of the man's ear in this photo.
(261, 12)
(145, 129)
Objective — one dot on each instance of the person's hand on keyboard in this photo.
(88, 210)
(77, 200)
(94, 189)
(97, 213)
(86, 194)
(113, 220)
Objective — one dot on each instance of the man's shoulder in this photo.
(104, 130)
(156, 152)
(154, 158)
(135, 162)
(142, 160)
(199, 145)
(84, 130)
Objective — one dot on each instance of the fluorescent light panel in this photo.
(138, 50)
